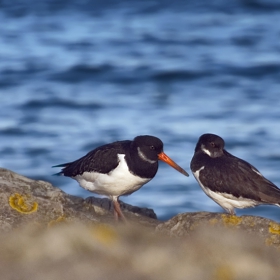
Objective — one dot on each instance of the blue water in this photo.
(78, 74)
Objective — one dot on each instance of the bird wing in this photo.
(102, 159)
(239, 178)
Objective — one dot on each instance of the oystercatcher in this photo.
(119, 168)
(228, 180)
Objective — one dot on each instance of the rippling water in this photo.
(75, 75)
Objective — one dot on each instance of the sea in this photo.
(78, 74)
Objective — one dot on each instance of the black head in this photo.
(150, 150)
(149, 147)
(211, 144)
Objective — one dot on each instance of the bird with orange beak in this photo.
(119, 168)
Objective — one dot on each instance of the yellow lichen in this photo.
(252, 224)
(274, 228)
(59, 220)
(22, 203)
(213, 221)
(105, 234)
(231, 220)
(273, 240)
(223, 272)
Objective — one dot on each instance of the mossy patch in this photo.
(59, 220)
(223, 272)
(213, 221)
(105, 234)
(231, 220)
(274, 228)
(23, 203)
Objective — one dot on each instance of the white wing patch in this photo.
(118, 182)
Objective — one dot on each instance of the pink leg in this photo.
(117, 210)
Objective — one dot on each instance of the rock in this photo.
(184, 224)
(107, 204)
(48, 234)
(24, 201)
(76, 251)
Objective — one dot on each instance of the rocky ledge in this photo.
(48, 234)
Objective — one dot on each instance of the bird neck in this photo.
(139, 166)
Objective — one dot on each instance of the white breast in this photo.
(118, 182)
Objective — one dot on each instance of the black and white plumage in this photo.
(228, 180)
(119, 168)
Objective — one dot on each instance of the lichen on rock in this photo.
(23, 203)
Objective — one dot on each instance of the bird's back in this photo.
(232, 175)
(102, 160)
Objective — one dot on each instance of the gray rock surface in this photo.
(184, 224)
(76, 251)
(48, 234)
(24, 201)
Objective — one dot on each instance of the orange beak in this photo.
(162, 156)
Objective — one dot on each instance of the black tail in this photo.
(61, 172)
